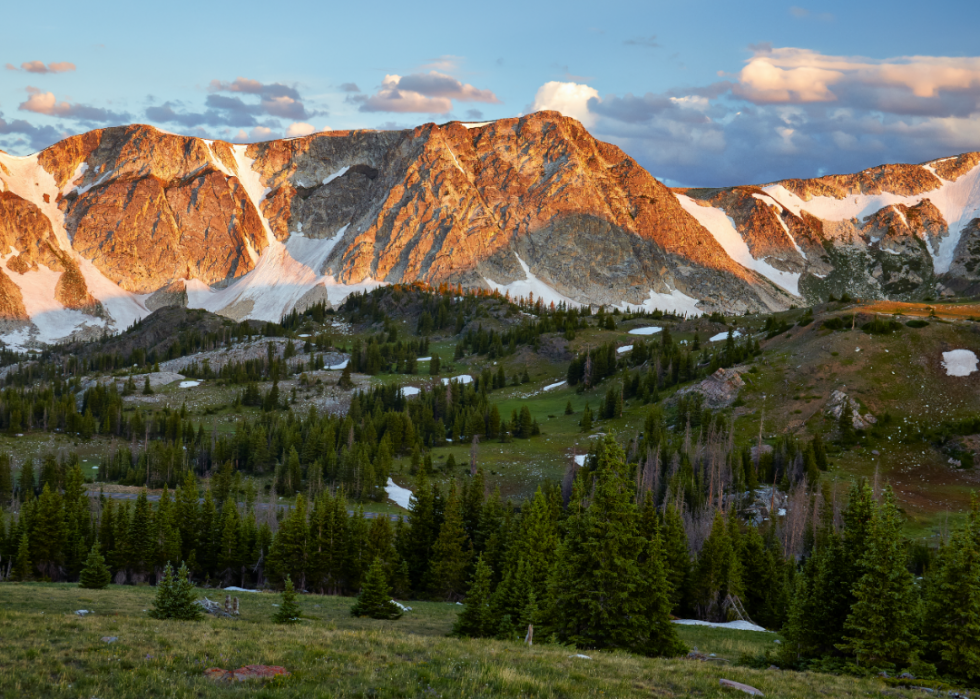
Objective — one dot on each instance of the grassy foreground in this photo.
(46, 650)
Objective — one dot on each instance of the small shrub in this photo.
(917, 323)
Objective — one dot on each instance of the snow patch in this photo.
(476, 124)
(340, 173)
(674, 302)
(624, 348)
(553, 385)
(651, 330)
(410, 391)
(724, 336)
(189, 384)
(400, 496)
(463, 378)
(723, 228)
(959, 362)
(734, 625)
(531, 286)
(958, 202)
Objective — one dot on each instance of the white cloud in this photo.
(792, 75)
(300, 128)
(571, 99)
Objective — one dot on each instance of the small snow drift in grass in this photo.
(722, 336)
(238, 589)
(400, 496)
(189, 384)
(424, 359)
(305, 335)
(465, 378)
(645, 331)
(336, 367)
(959, 362)
(734, 625)
(580, 459)
(553, 385)
(624, 348)
(401, 606)
(410, 391)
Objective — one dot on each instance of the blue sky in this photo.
(700, 93)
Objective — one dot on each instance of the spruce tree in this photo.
(6, 480)
(288, 612)
(147, 389)
(95, 574)
(606, 589)
(881, 628)
(23, 569)
(345, 382)
(375, 598)
(175, 596)
(677, 560)
(451, 552)
(952, 609)
(476, 619)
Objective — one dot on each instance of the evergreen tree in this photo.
(451, 552)
(95, 574)
(718, 573)
(289, 611)
(677, 560)
(48, 534)
(375, 598)
(600, 595)
(6, 479)
(345, 381)
(147, 389)
(952, 618)
(175, 596)
(23, 569)
(881, 628)
(26, 482)
(568, 408)
(476, 619)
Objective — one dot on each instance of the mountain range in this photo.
(102, 228)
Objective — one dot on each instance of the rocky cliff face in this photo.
(101, 228)
(893, 231)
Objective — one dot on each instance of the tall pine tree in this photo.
(600, 596)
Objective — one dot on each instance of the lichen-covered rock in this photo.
(840, 401)
(719, 390)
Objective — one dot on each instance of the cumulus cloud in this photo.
(905, 85)
(40, 68)
(571, 99)
(300, 129)
(349, 87)
(427, 93)
(46, 103)
(789, 113)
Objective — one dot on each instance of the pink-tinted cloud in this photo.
(426, 93)
(801, 76)
(39, 68)
(46, 103)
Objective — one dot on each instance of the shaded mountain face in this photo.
(103, 227)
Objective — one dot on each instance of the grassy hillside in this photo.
(50, 651)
